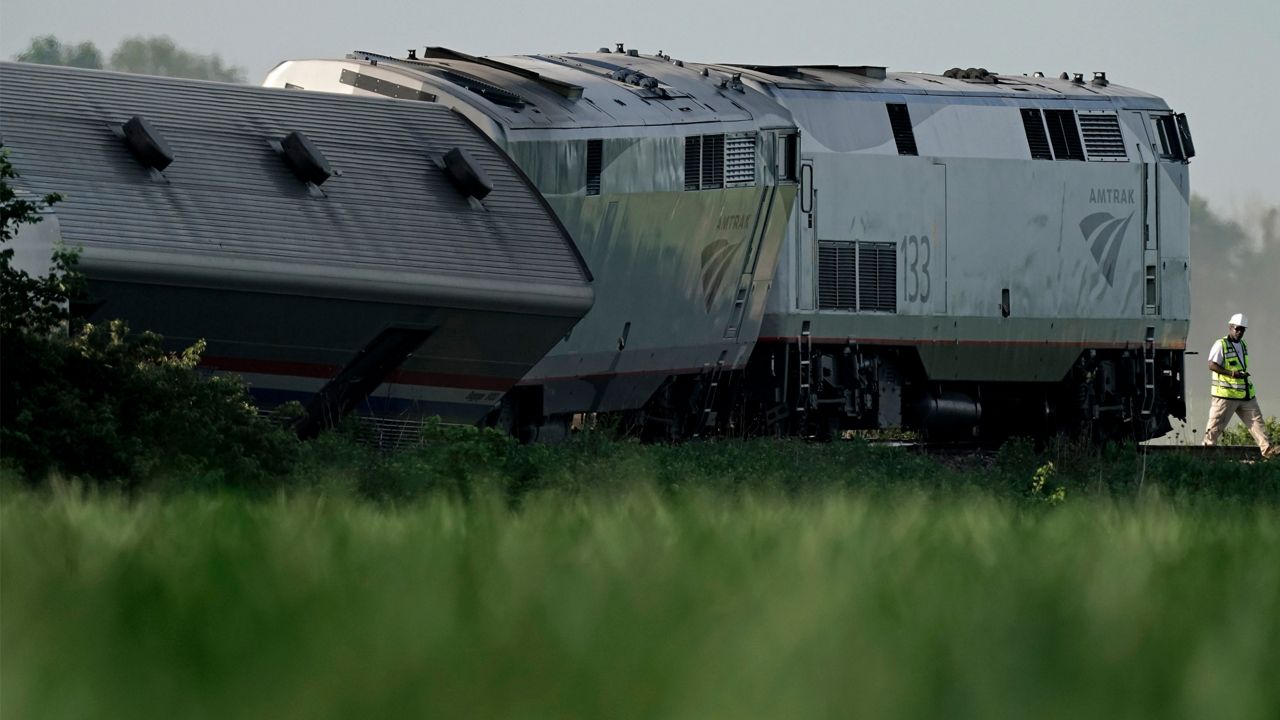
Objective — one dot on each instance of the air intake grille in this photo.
(1064, 134)
(837, 276)
(860, 276)
(704, 162)
(740, 159)
(712, 162)
(903, 135)
(1102, 138)
(693, 162)
(595, 153)
(1037, 140)
(877, 277)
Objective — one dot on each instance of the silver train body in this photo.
(979, 253)
(677, 188)
(969, 254)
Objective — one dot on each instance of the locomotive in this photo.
(814, 249)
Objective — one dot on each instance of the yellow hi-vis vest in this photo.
(1225, 386)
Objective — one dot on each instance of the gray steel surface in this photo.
(681, 274)
(388, 226)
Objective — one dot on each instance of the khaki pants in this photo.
(1220, 413)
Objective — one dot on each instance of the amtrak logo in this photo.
(1105, 232)
(716, 259)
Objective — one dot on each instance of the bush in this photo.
(1238, 434)
(97, 401)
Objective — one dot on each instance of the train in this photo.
(818, 249)
(339, 252)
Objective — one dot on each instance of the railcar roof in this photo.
(390, 213)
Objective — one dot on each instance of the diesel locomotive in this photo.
(815, 249)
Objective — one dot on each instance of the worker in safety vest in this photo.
(1232, 388)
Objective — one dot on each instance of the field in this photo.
(601, 579)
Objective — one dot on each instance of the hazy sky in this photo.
(1217, 61)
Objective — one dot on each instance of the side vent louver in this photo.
(704, 162)
(466, 174)
(903, 135)
(305, 159)
(1064, 134)
(1102, 137)
(860, 276)
(712, 162)
(877, 277)
(693, 162)
(1037, 140)
(837, 276)
(740, 159)
(595, 161)
(146, 144)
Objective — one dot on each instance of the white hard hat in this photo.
(1239, 320)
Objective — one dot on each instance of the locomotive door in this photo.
(747, 274)
(804, 232)
(1150, 210)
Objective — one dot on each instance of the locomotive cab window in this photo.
(1170, 139)
(789, 160)
(1184, 134)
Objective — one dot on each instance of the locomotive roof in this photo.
(389, 223)
(555, 90)
(565, 90)
(974, 86)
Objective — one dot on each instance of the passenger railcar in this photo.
(353, 254)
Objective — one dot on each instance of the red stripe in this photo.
(328, 372)
(980, 343)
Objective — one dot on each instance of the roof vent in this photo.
(413, 54)
(621, 49)
(1064, 76)
(305, 159)
(1078, 78)
(972, 73)
(633, 53)
(1037, 74)
(466, 174)
(1099, 79)
(604, 50)
(147, 145)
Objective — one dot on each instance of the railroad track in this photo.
(1244, 453)
(1225, 452)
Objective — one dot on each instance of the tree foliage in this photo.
(97, 401)
(48, 50)
(156, 55)
(161, 56)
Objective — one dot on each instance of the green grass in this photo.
(732, 580)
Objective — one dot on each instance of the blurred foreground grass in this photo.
(629, 582)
